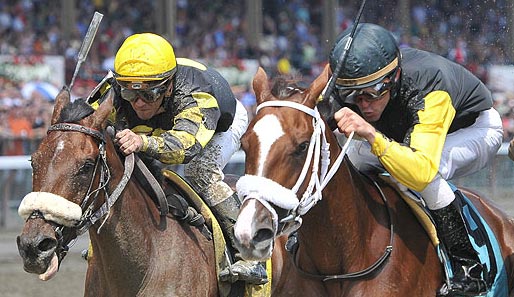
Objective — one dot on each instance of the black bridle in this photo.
(66, 235)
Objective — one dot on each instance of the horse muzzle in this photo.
(256, 252)
(38, 250)
(39, 245)
(37, 254)
(254, 231)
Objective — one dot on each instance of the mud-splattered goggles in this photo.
(148, 91)
(369, 94)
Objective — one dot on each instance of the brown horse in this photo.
(138, 251)
(361, 239)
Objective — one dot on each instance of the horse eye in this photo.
(87, 167)
(302, 148)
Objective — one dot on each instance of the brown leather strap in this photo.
(156, 187)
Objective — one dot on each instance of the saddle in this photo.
(187, 206)
(481, 236)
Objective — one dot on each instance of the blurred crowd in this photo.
(470, 32)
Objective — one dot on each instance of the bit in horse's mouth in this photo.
(52, 269)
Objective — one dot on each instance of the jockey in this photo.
(178, 111)
(425, 120)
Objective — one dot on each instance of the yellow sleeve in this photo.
(417, 165)
(193, 128)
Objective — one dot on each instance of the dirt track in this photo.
(69, 282)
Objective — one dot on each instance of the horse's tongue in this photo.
(52, 269)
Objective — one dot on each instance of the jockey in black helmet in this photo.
(425, 120)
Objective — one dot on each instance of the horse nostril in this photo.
(24, 243)
(34, 247)
(47, 244)
(262, 235)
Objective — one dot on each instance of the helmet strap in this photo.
(396, 84)
(167, 94)
(397, 74)
(169, 90)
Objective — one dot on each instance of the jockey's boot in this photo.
(467, 277)
(250, 272)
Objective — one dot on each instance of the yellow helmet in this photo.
(144, 57)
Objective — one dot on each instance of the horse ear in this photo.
(61, 100)
(261, 86)
(317, 86)
(103, 112)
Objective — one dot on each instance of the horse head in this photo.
(69, 171)
(279, 145)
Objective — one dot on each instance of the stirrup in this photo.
(467, 281)
(452, 291)
(249, 272)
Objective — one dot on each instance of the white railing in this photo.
(23, 162)
(15, 181)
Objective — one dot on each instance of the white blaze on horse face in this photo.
(244, 228)
(268, 130)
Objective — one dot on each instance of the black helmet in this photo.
(373, 55)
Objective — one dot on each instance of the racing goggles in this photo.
(148, 91)
(369, 94)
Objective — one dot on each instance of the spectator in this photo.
(20, 132)
(215, 34)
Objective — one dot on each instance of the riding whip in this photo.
(335, 74)
(86, 44)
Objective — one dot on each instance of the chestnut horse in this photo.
(137, 251)
(362, 238)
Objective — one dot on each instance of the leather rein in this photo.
(90, 215)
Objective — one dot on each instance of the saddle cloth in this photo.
(481, 236)
(218, 238)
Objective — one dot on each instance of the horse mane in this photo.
(286, 86)
(75, 111)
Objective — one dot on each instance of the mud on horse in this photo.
(355, 235)
(137, 250)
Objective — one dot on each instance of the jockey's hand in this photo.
(348, 121)
(128, 141)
